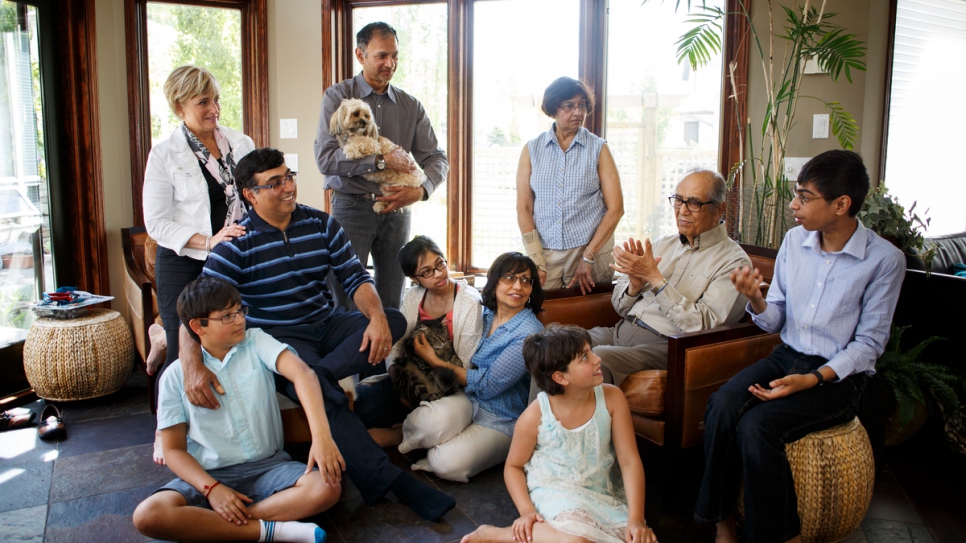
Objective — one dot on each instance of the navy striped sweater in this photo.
(282, 275)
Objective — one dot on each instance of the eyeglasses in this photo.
(570, 106)
(227, 319)
(806, 199)
(440, 266)
(509, 279)
(693, 203)
(276, 182)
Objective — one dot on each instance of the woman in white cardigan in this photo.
(189, 197)
(435, 295)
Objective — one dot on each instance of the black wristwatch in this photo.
(380, 163)
(819, 376)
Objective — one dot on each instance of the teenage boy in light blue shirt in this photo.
(833, 295)
(230, 464)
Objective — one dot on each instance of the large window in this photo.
(228, 37)
(25, 256)
(202, 36)
(507, 93)
(929, 40)
(501, 55)
(662, 120)
(422, 73)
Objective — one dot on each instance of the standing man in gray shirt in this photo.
(402, 119)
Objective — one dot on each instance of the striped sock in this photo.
(291, 532)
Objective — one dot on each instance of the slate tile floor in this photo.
(85, 488)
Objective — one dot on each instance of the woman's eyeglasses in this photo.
(276, 182)
(570, 106)
(509, 279)
(227, 319)
(440, 266)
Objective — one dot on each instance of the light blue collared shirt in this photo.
(248, 425)
(835, 305)
(499, 385)
(568, 204)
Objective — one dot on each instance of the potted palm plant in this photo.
(806, 33)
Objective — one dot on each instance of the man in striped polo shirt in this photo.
(280, 267)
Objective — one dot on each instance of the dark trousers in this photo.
(172, 274)
(331, 348)
(744, 441)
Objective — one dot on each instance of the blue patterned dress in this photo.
(573, 477)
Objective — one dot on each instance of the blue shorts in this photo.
(257, 480)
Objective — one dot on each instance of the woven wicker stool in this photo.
(77, 359)
(834, 472)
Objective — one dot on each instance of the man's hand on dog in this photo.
(399, 161)
(400, 196)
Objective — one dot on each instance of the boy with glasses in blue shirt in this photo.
(832, 297)
(230, 464)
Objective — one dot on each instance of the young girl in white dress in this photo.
(561, 471)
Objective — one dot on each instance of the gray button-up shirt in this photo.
(400, 118)
(699, 294)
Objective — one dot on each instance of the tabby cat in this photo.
(415, 380)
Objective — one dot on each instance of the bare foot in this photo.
(159, 349)
(158, 455)
(727, 531)
(486, 533)
(387, 437)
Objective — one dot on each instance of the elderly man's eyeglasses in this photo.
(693, 204)
(509, 279)
(227, 319)
(570, 106)
(276, 182)
(440, 266)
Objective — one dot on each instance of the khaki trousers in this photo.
(627, 348)
(561, 265)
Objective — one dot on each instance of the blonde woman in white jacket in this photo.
(435, 295)
(189, 197)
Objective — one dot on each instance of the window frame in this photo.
(254, 44)
(338, 45)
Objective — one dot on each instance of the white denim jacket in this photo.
(175, 193)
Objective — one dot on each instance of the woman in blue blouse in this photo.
(470, 431)
(569, 197)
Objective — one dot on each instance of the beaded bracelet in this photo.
(208, 244)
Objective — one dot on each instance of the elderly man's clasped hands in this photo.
(637, 261)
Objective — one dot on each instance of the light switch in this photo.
(792, 167)
(292, 161)
(289, 129)
(820, 126)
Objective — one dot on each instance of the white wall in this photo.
(115, 137)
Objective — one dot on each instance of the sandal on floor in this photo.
(15, 418)
(51, 427)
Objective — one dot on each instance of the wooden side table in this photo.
(77, 359)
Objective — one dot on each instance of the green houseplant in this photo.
(806, 33)
(909, 381)
(883, 214)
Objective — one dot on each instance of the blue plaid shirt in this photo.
(835, 305)
(499, 387)
(568, 204)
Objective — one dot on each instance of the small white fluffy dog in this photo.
(358, 136)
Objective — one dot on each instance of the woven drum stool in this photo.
(834, 473)
(77, 359)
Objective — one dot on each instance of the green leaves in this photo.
(703, 41)
(844, 127)
(837, 50)
(910, 379)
